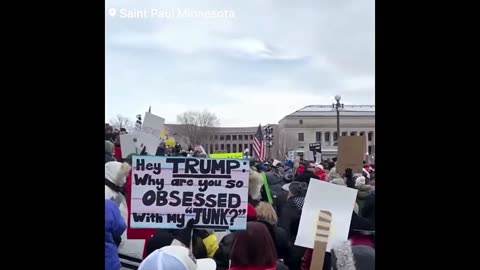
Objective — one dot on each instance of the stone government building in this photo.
(314, 123)
(318, 123)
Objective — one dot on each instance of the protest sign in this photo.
(169, 191)
(338, 200)
(227, 155)
(138, 143)
(152, 124)
(351, 153)
(321, 240)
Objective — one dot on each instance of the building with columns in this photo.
(227, 139)
(311, 124)
(318, 124)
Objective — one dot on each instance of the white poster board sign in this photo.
(291, 155)
(152, 124)
(169, 191)
(134, 143)
(339, 200)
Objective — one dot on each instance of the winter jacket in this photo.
(289, 217)
(115, 174)
(279, 236)
(118, 153)
(109, 157)
(109, 146)
(114, 227)
(222, 255)
(321, 174)
(368, 210)
(300, 169)
(275, 182)
(363, 194)
(305, 177)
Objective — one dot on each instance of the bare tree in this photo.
(121, 122)
(198, 125)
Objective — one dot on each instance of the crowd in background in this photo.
(268, 241)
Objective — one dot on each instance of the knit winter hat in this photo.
(109, 146)
(298, 188)
(359, 181)
(116, 172)
(251, 213)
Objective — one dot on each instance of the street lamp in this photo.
(338, 105)
(269, 138)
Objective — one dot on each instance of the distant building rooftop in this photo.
(329, 110)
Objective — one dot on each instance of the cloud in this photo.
(273, 58)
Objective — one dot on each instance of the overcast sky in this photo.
(273, 58)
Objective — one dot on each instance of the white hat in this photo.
(359, 181)
(175, 258)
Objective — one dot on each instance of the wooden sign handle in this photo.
(321, 239)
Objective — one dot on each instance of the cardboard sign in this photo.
(153, 124)
(227, 155)
(135, 143)
(321, 240)
(338, 200)
(351, 153)
(169, 191)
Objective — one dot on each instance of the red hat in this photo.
(251, 213)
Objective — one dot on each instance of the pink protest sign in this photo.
(169, 191)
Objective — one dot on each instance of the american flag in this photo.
(259, 145)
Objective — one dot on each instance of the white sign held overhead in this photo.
(338, 200)
(136, 143)
(153, 124)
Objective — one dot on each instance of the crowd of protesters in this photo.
(268, 241)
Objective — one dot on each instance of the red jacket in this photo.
(321, 174)
(136, 233)
(300, 169)
(118, 153)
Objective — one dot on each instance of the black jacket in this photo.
(280, 238)
(222, 255)
(305, 177)
(109, 157)
(368, 210)
(289, 218)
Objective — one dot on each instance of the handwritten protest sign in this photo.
(324, 196)
(169, 191)
(153, 124)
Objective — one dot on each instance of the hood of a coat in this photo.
(255, 184)
(116, 172)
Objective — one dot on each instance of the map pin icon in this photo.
(112, 12)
